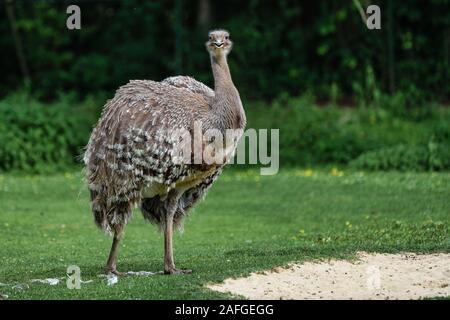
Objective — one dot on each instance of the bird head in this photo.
(219, 43)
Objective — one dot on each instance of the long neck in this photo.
(221, 73)
(227, 106)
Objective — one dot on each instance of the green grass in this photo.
(246, 223)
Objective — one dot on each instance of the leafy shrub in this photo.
(310, 135)
(401, 157)
(431, 155)
(37, 137)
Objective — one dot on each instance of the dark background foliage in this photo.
(339, 92)
(281, 46)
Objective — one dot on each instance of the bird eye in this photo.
(226, 37)
(210, 37)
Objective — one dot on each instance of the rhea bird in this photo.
(130, 159)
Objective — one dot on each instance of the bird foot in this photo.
(177, 271)
(113, 271)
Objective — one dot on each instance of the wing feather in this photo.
(192, 85)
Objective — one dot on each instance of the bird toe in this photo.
(177, 271)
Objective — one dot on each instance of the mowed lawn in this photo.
(246, 223)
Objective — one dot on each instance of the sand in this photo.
(372, 276)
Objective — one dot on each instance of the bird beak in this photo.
(218, 44)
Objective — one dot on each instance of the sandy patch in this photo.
(372, 276)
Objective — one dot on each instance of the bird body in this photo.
(130, 153)
(132, 158)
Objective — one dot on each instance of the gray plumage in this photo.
(130, 147)
(130, 158)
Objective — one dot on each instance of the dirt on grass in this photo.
(371, 276)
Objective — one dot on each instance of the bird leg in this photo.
(169, 265)
(112, 259)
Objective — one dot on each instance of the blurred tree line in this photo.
(289, 56)
(281, 47)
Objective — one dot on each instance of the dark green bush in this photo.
(311, 135)
(433, 154)
(406, 158)
(38, 137)
(399, 157)
(280, 46)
